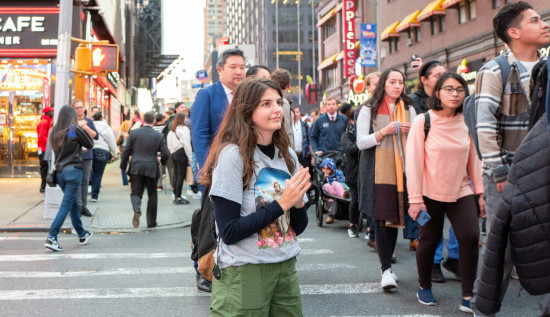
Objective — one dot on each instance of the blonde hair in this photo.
(125, 126)
(371, 76)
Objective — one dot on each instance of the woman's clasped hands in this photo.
(295, 189)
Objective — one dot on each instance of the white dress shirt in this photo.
(228, 93)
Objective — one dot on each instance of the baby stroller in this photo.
(323, 204)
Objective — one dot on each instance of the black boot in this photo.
(203, 284)
(85, 212)
(451, 265)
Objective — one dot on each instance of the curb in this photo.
(33, 228)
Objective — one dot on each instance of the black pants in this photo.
(386, 238)
(43, 170)
(180, 169)
(463, 217)
(139, 183)
(354, 204)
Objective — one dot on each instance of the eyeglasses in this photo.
(450, 89)
(80, 107)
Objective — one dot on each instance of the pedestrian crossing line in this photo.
(22, 238)
(116, 293)
(145, 271)
(89, 256)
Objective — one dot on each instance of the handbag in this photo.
(51, 179)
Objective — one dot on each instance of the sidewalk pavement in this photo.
(23, 205)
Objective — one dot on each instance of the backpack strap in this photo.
(427, 124)
(504, 66)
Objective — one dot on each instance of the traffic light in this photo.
(104, 57)
(82, 58)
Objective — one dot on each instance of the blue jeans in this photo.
(69, 180)
(452, 248)
(98, 167)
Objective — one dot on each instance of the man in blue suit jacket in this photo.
(327, 130)
(210, 104)
(207, 113)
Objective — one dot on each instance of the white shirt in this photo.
(332, 118)
(529, 65)
(297, 129)
(366, 140)
(228, 93)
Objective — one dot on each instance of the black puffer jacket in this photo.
(419, 99)
(523, 216)
(351, 170)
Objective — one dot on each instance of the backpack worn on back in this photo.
(470, 108)
(539, 79)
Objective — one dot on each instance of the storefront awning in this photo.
(434, 8)
(327, 62)
(389, 31)
(329, 15)
(449, 3)
(408, 21)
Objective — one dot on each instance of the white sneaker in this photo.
(197, 195)
(95, 200)
(388, 282)
(173, 196)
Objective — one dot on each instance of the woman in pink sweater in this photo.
(440, 166)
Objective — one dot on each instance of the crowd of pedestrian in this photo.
(411, 159)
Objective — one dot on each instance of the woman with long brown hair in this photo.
(382, 128)
(67, 140)
(179, 145)
(257, 248)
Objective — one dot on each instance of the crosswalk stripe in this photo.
(89, 256)
(22, 238)
(113, 293)
(146, 271)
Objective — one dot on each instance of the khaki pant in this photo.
(257, 290)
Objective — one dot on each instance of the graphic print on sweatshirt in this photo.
(269, 186)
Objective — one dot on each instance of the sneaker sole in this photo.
(86, 241)
(465, 309)
(50, 247)
(388, 288)
(426, 303)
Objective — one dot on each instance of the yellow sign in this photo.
(23, 79)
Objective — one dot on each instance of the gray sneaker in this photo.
(52, 244)
(84, 239)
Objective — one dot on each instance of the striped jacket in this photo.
(502, 114)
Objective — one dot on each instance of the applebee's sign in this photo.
(349, 37)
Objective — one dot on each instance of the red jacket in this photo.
(43, 129)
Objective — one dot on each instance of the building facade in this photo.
(278, 28)
(454, 32)
(332, 35)
(28, 56)
(214, 24)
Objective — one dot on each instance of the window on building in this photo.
(287, 36)
(331, 76)
(329, 28)
(394, 44)
(414, 35)
(437, 24)
(467, 10)
(498, 3)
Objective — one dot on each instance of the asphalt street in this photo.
(150, 274)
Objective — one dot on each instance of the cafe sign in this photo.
(28, 31)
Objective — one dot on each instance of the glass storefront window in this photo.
(22, 84)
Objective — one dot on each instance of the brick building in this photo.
(451, 31)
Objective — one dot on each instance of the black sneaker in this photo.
(84, 239)
(451, 265)
(52, 244)
(437, 275)
(181, 201)
(352, 231)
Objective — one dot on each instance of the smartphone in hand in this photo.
(423, 218)
(414, 57)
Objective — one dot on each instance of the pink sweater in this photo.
(441, 167)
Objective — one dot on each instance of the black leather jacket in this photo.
(523, 216)
(71, 153)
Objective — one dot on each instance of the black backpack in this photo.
(539, 80)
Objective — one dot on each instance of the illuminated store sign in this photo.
(28, 31)
(22, 79)
(349, 37)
